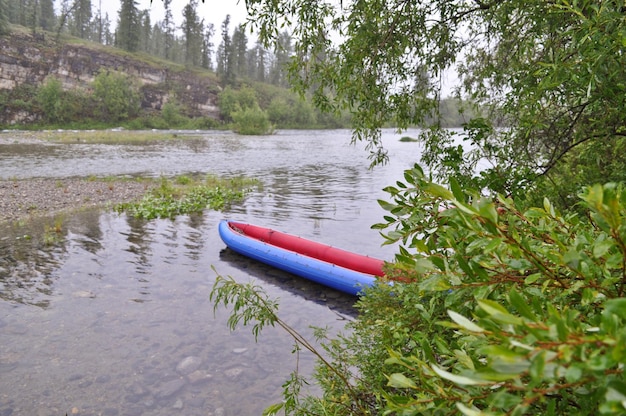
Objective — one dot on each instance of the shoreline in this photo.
(24, 199)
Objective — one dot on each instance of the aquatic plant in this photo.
(184, 195)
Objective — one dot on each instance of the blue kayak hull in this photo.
(331, 275)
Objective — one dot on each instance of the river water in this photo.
(111, 315)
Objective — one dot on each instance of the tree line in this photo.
(194, 43)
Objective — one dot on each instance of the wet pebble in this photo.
(84, 294)
(104, 378)
(178, 404)
(75, 377)
(188, 365)
(234, 372)
(170, 388)
(198, 377)
(196, 402)
(85, 383)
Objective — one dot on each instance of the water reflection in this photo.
(104, 314)
(30, 256)
(128, 328)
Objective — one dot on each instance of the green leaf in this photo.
(470, 411)
(498, 312)
(401, 381)
(439, 191)
(532, 278)
(505, 400)
(464, 323)
(537, 366)
(520, 305)
(273, 409)
(616, 306)
(456, 189)
(386, 205)
(457, 379)
(487, 210)
(601, 247)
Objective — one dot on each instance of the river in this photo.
(112, 315)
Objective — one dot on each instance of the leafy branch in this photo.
(251, 305)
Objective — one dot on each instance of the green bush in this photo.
(49, 99)
(252, 121)
(493, 309)
(291, 112)
(116, 95)
(231, 101)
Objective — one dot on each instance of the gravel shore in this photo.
(21, 199)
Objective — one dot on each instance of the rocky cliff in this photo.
(29, 59)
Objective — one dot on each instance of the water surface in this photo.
(110, 315)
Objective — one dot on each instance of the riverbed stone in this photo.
(103, 378)
(199, 377)
(188, 365)
(234, 372)
(196, 402)
(170, 388)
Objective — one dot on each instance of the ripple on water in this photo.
(112, 316)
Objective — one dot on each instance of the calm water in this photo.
(112, 317)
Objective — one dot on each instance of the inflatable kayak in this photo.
(333, 267)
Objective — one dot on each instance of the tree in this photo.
(282, 54)
(145, 34)
(496, 305)
(67, 9)
(240, 51)
(257, 61)
(551, 72)
(225, 64)
(4, 18)
(193, 37)
(128, 26)
(207, 46)
(168, 28)
(80, 19)
(108, 37)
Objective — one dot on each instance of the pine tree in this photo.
(145, 31)
(192, 29)
(240, 49)
(226, 66)
(282, 53)
(107, 35)
(207, 46)
(4, 17)
(168, 28)
(47, 18)
(257, 58)
(81, 19)
(128, 27)
(157, 41)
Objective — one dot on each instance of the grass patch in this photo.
(109, 136)
(186, 195)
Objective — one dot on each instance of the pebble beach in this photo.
(24, 199)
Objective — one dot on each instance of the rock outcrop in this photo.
(29, 59)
